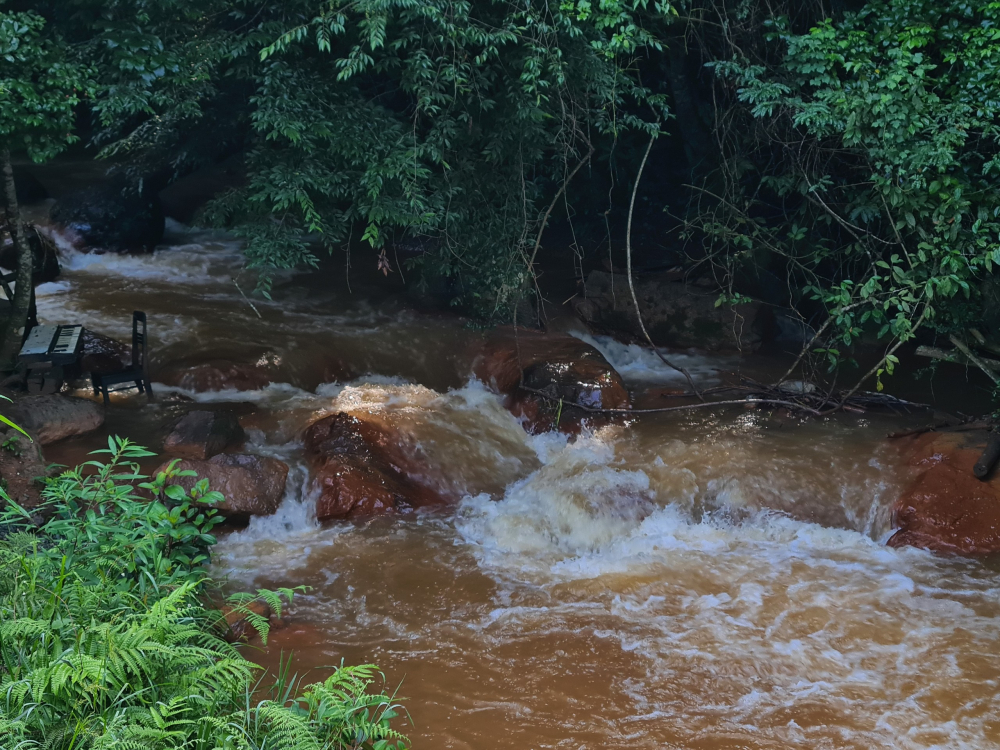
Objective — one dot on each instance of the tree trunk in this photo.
(12, 331)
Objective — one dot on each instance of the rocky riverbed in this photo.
(715, 578)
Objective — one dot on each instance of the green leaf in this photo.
(175, 492)
(7, 422)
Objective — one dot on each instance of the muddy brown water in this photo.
(716, 579)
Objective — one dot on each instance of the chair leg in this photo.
(107, 399)
(149, 389)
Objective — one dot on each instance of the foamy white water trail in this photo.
(188, 256)
(640, 364)
(709, 580)
(703, 590)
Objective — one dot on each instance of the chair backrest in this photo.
(139, 340)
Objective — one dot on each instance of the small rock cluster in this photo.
(252, 485)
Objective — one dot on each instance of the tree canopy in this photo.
(884, 124)
(849, 150)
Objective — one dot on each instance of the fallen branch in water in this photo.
(983, 342)
(960, 345)
(685, 407)
(933, 352)
(882, 363)
(857, 402)
(966, 426)
(813, 404)
(247, 300)
(944, 355)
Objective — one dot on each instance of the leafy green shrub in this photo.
(105, 640)
(874, 165)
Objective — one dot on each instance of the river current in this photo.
(715, 579)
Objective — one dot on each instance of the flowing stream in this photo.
(714, 579)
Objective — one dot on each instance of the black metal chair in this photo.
(135, 376)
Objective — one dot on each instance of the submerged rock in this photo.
(675, 313)
(252, 485)
(218, 375)
(113, 215)
(798, 387)
(238, 626)
(360, 469)
(202, 434)
(538, 370)
(55, 417)
(946, 509)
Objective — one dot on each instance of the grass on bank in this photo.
(106, 640)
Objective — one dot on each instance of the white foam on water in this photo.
(270, 545)
(194, 263)
(744, 616)
(750, 626)
(640, 364)
(187, 255)
(272, 395)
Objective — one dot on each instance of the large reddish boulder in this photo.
(546, 375)
(252, 485)
(946, 509)
(361, 469)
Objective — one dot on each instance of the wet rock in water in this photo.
(560, 366)
(252, 485)
(113, 215)
(103, 354)
(21, 468)
(360, 469)
(798, 387)
(44, 253)
(55, 417)
(239, 627)
(202, 434)
(946, 509)
(218, 375)
(675, 313)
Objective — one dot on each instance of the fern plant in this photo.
(106, 641)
